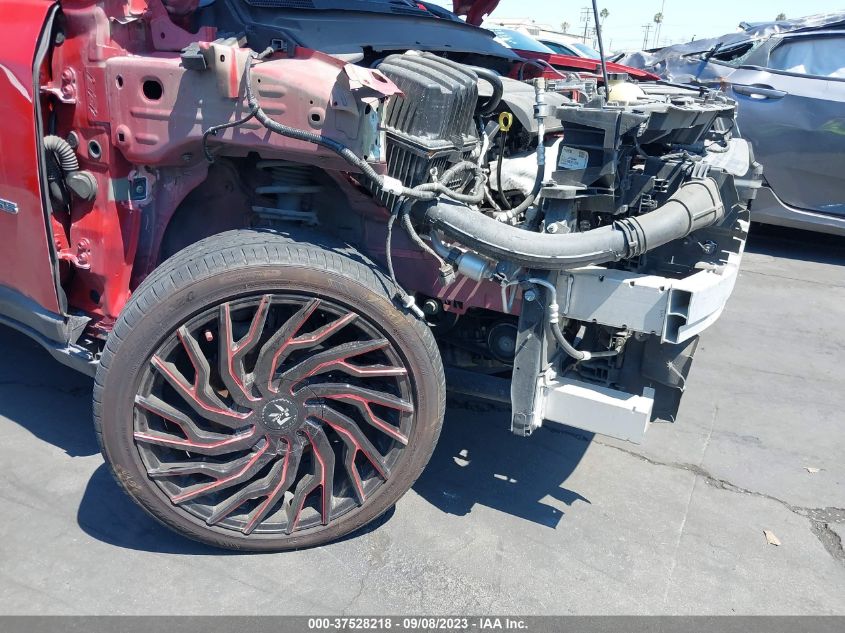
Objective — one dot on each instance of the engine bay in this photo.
(554, 233)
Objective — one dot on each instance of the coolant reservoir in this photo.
(622, 90)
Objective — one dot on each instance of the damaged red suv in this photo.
(275, 232)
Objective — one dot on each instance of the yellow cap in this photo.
(505, 121)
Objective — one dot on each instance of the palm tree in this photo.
(781, 16)
(658, 20)
(604, 13)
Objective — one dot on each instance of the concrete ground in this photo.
(551, 525)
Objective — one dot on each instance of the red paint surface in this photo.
(474, 10)
(25, 263)
(581, 64)
(111, 48)
(92, 86)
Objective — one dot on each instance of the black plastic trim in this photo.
(51, 331)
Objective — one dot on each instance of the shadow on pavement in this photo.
(478, 461)
(51, 401)
(110, 516)
(778, 241)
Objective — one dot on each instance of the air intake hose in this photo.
(695, 205)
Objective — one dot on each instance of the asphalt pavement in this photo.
(556, 524)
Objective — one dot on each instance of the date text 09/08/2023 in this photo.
(418, 623)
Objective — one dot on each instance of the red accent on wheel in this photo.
(218, 436)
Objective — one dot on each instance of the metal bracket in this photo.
(599, 409)
(80, 258)
(529, 361)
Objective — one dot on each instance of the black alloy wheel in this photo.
(263, 393)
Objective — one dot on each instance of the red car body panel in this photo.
(92, 85)
(477, 10)
(25, 260)
(96, 82)
(474, 10)
(582, 64)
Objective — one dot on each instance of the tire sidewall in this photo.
(131, 357)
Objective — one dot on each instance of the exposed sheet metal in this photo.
(689, 62)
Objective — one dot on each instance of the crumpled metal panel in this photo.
(684, 62)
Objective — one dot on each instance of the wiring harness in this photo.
(475, 183)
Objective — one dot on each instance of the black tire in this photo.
(287, 274)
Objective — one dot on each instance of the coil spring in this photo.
(292, 188)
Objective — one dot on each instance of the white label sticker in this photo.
(571, 158)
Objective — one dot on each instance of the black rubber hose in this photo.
(522, 207)
(489, 105)
(499, 186)
(65, 156)
(696, 204)
(542, 65)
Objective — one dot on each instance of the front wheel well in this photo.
(254, 192)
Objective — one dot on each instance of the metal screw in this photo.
(83, 251)
(530, 295)
(431, 307)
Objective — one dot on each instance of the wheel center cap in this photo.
(280, 415)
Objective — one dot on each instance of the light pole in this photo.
(586, 12)
(659, 23)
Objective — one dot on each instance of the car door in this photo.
(26, 267)
(792, 109)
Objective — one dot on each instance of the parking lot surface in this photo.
(555, 524)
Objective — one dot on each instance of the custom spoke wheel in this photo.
(245, 412)
(273, 398)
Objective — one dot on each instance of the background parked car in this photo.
(789, 81)
(565, 45)
(791, 95)
(529, 48)
(562, 43)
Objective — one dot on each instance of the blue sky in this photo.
(682, 19)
